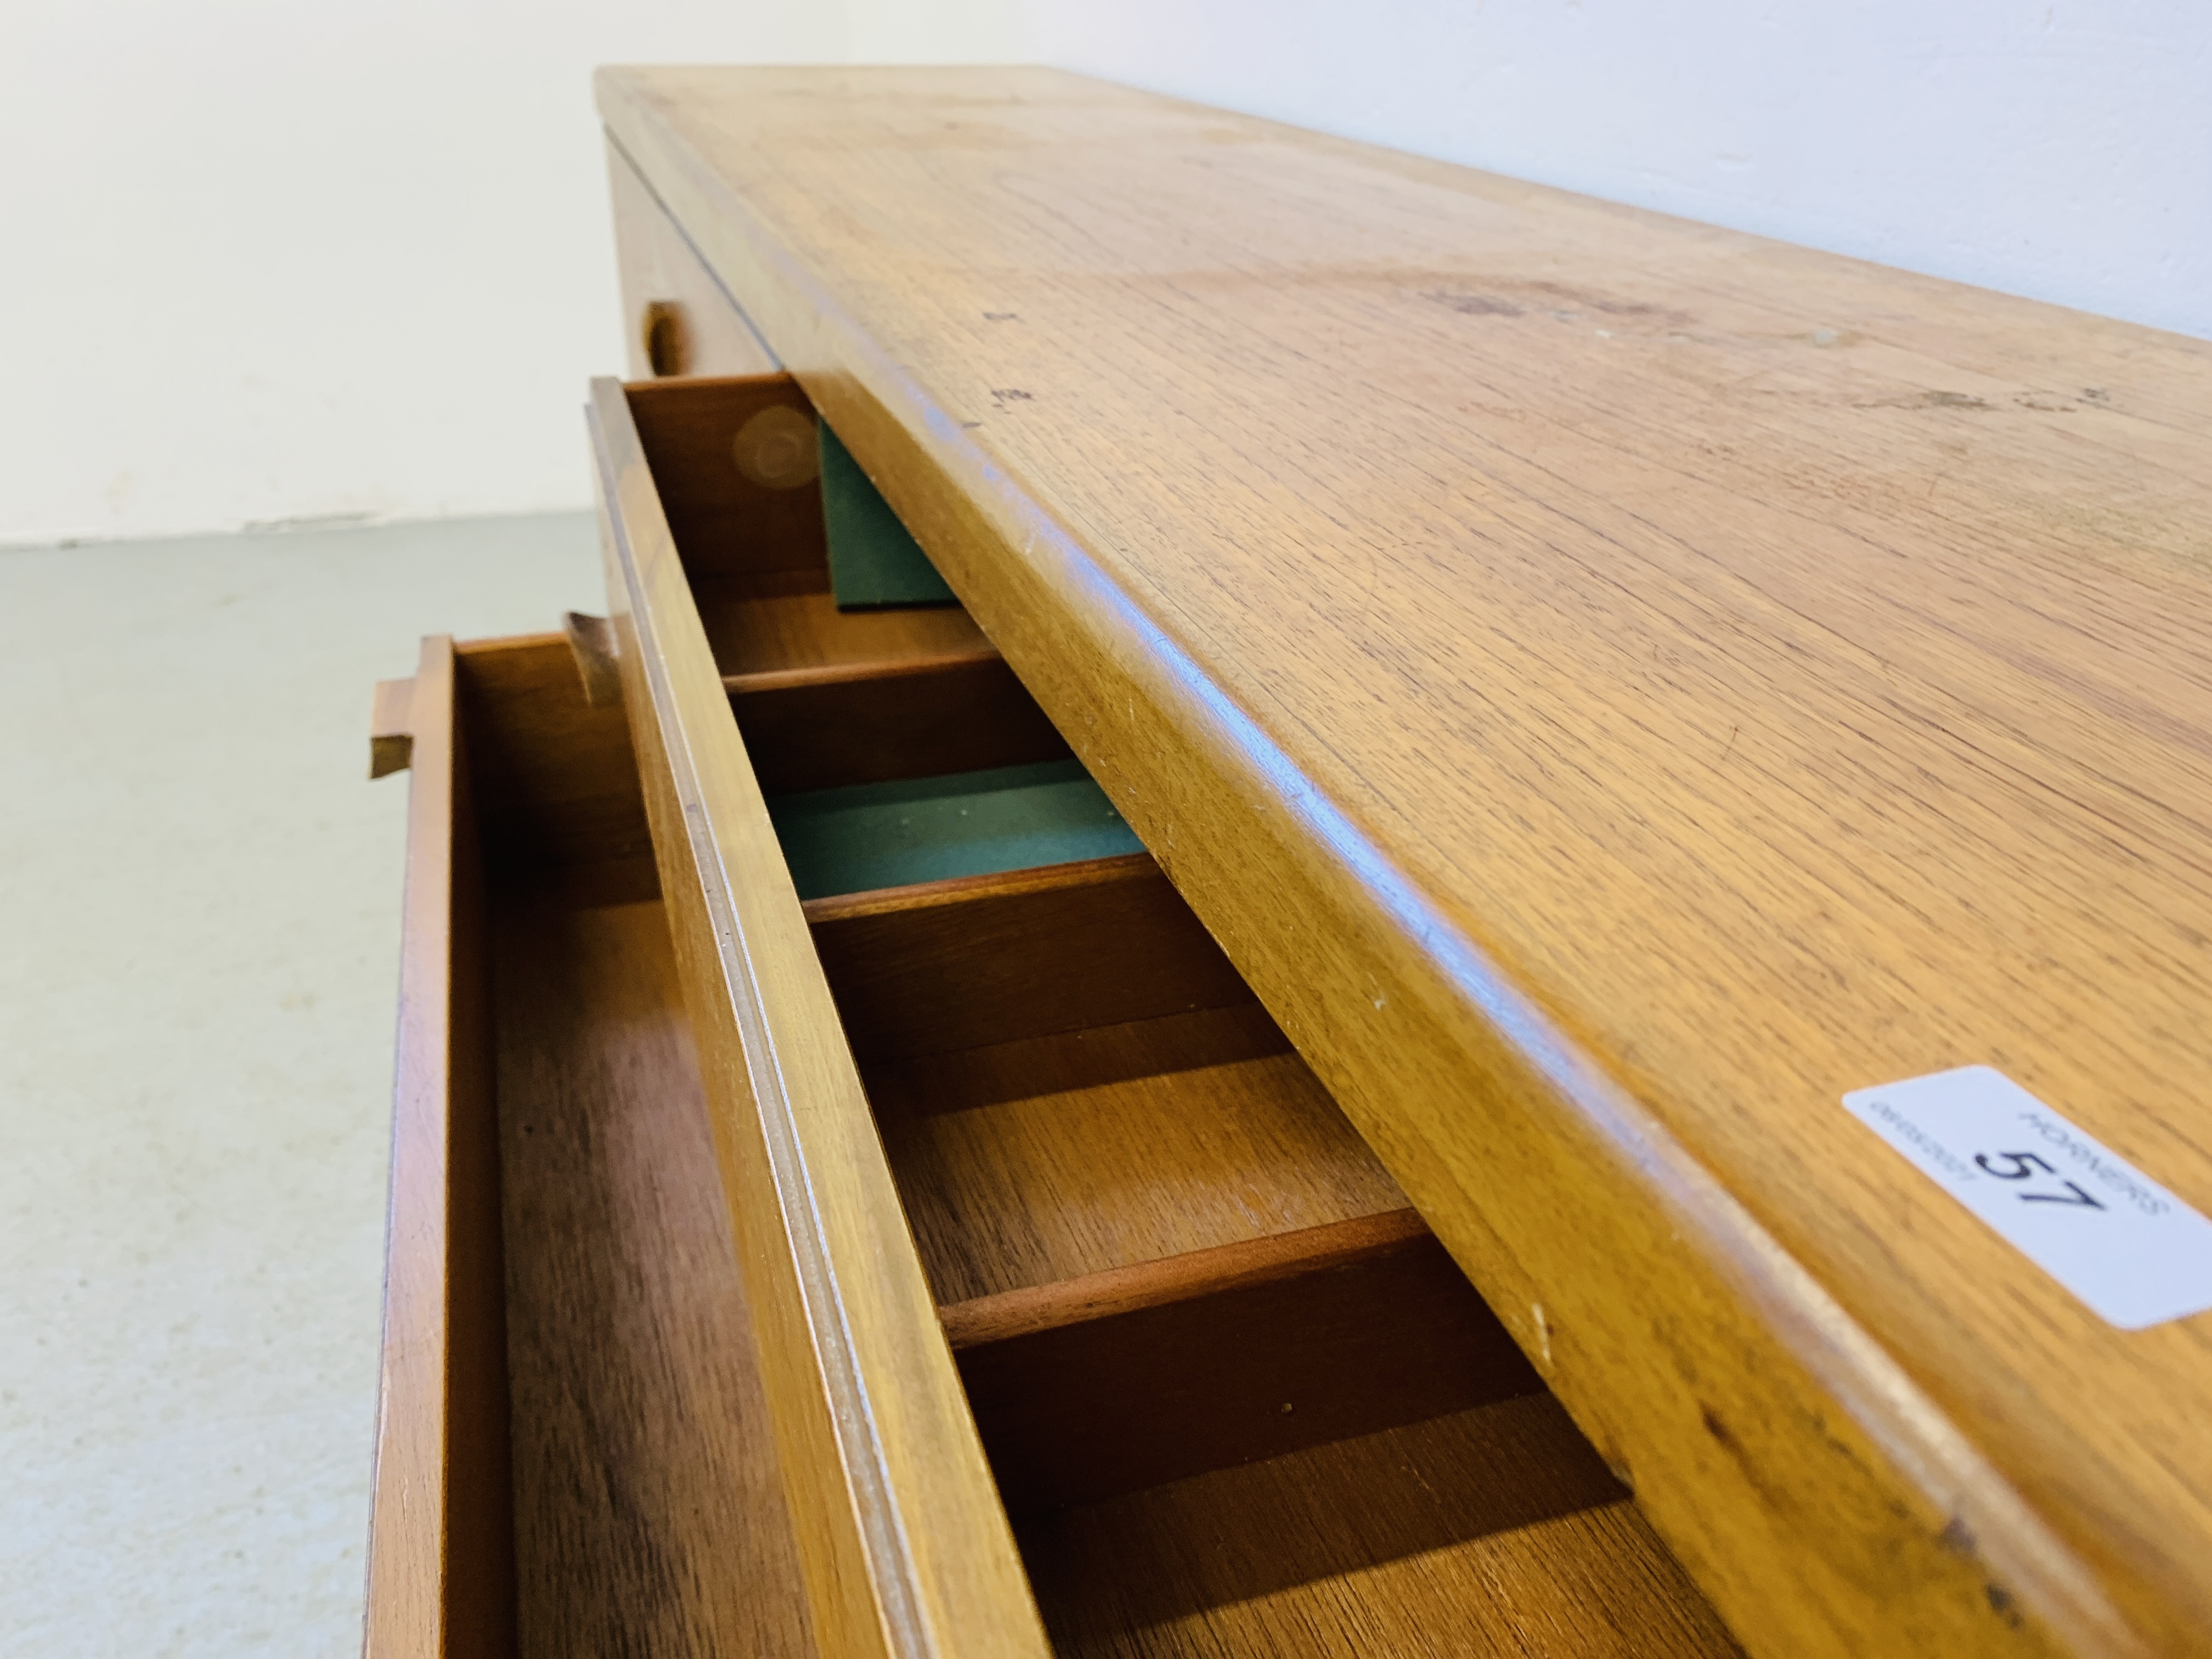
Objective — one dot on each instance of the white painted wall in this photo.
(2058, 149)
(262, 261)
(265, 261)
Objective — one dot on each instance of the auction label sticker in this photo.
(2132, 1251)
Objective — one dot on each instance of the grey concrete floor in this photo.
(199, 905)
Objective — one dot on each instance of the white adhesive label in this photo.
(2136, 1253)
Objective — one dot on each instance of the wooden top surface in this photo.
(1749, 673)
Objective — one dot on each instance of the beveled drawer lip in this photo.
(906, 1544)
(1874, 1459)
(517, 831)
(997, 1336)
(423, 1542)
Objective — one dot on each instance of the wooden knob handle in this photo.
(667, 339)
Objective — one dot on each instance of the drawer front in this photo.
(1021, 1171)
(676, 318)
(906, 1548)
(1403, 687)
(440, 1568)
(1236, 1396)
(573, 1452)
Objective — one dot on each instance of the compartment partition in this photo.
(1236, 1396)
(1070, 1079)
(814, 729)
(894, 743)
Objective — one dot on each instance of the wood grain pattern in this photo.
(1054, 1157)
(650, 1513)
(556, 779)
(1612, 685)
(592, 644)
(1107, 1384)
(1495, 1531)
(563, 1317)
(441, 1546)
(787, 679)
(756, 557)
(978, 960)
(734, 533)
(1118, 1292)
(916, 718)
(658, 268)
(904, 1546)
(752, 634)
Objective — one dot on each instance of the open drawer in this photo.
(1074, 1293)
(572, 1452)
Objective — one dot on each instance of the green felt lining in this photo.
(873, 560)
(868, 836)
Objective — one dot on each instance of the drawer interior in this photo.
(649, 1513)
(1237, 1397)
(1071, 1078)
(745, 503)
(893, 743)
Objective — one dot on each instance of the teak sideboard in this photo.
(1591, 690)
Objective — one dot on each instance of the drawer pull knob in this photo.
(591, 642)
(777, 449)
(666, 338)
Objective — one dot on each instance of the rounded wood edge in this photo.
(1937, 1553)
(906, 1548)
